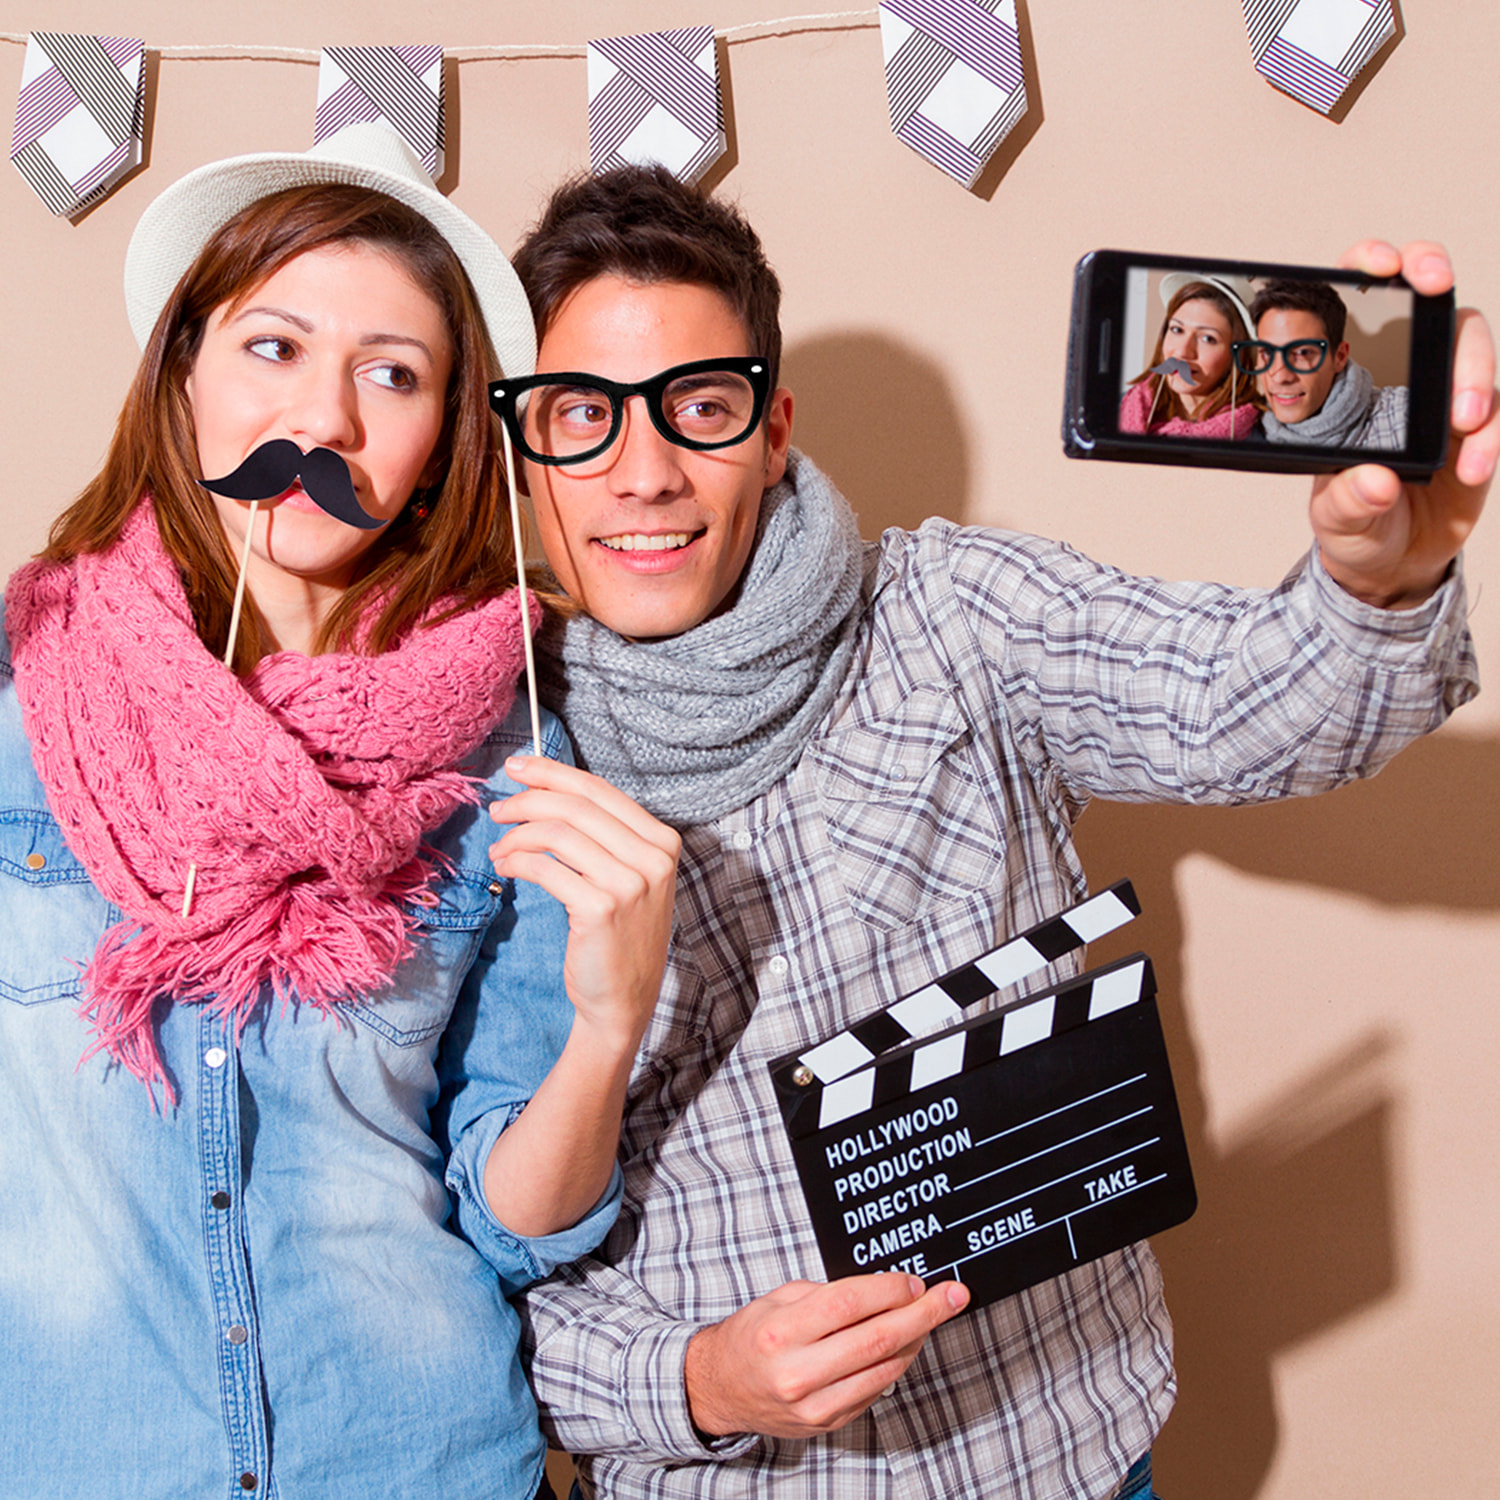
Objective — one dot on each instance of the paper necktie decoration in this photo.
(79, 116)
(954, 78)
(400, 86)
(655, 98)
(1314, 49)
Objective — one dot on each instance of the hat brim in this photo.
(177, 225)
(1174, 281)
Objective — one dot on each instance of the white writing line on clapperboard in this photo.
(1108, 1189)
(1062, 1109)
(1098, 1189)
(1072, 1140)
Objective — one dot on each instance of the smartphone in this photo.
(1254, 365)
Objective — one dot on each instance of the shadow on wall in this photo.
(880, 420)
(1297, 1227)
(1298, 1224)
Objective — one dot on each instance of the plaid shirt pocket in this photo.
(905, 812)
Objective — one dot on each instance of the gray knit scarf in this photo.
(701, 723)
(1338, 420)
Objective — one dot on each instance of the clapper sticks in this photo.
(1005, 1149)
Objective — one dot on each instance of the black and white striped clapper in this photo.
(1004, 1150)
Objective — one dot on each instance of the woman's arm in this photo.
(614, 868)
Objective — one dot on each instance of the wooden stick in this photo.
(515, 532)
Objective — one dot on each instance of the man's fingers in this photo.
(1374, 256)
(551, 775)
(1475, 396)
(851, 1368)
(1424, 263)
(823, 1310)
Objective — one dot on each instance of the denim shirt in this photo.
(259, 1290)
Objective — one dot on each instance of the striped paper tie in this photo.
(655, 98)
(954, 79)
(1314, 49)
(400, 86)
(79, 116)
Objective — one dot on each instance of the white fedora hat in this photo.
(1236, 288)
(177, 225)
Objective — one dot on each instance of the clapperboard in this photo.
(1007, 1148)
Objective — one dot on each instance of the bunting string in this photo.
(755, 31)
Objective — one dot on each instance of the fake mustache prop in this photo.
(1175, 366)
(274, 467)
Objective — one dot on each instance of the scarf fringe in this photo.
(300, 945)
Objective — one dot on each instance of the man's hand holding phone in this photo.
(1387, 542)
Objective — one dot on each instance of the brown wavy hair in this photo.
(1233, 386)
(461, 552)
(644, 225)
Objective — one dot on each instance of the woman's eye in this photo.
(394, 377)
(279, 350)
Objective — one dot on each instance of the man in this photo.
(874, 755)
(1314, 392)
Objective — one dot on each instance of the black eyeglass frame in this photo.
(504, 395)
(1281, 349)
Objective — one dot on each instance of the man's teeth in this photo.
(663, 542)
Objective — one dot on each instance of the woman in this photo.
(1192, 387)
(263, 1005)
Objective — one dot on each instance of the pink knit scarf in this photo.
(301, 792)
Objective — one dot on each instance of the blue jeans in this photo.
(1138, 1480)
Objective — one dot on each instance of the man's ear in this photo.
(1341, 356)
(778, 434)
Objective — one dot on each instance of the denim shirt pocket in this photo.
(906, 810)
(415, 1005)
(50, 914)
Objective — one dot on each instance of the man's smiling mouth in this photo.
(667, 541)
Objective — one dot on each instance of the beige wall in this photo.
(1328, 969)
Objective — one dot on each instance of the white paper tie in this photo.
(954, 79)
(655, 98)
(1314, 49)
(400, 86)
(78, 116)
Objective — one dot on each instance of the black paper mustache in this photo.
(274, 467)
(1175, 366)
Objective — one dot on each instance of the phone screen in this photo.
(1252, 365)
(1321, 363)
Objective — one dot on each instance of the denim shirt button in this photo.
(36, 861)
(220, 1199)
(248, 1481)
(216, 1057)
(238, 1334)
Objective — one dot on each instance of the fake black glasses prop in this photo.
(1256, 357)
(566, 417)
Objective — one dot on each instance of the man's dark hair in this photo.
(643, 225)
(1316, 297)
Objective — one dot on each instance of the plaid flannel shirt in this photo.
(1385, 423)
(1000, 681)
